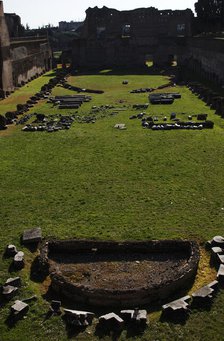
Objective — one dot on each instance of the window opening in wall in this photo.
(101, 32)
(126, 31)
(181, 29)
(149, 60)
(172, 60)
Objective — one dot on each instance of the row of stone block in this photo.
(10, 288)
(111, 321)
(217, 256)
(12, 116)
(30, 237)
(211, 98)
(180, 308)
(18, 256)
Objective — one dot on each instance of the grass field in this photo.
(97, 182)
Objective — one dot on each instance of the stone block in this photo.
(19, 309)
(14, 281)
(112, 321)
(218, 241)
(19, 260)
(176, 310)
(78, 318)
(120, 126)
(8, 291)
(135, 315)
(203, 296)
(32, 236)
(220, 274)
(11, 251)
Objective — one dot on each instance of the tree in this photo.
(210, 14)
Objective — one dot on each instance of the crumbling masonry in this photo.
(128, 38)
(21, 58)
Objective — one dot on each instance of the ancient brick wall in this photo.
(205, 57)
(116, 38)
(21, 59)
(142, 22)
(124, 38)
(30, 58)
(14, 25)
(6, 81)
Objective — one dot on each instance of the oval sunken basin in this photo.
(126, 274)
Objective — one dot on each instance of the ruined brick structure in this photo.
(69, 26)
(110, 37)
(121, 289)
(21, 59)
(204, 56)
(15, 28)
(128, 38)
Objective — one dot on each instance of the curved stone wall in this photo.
(136, 296)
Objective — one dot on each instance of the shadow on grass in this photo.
(50, 295)
(102, 331)
(206, 307)
(52, 74)
(32, 247)
(5, 256)
(214, 263)
(72, 331)
(134, 330)
(175, 318)
(10, 322)
(13, 268)
(144, 70)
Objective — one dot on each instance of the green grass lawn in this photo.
(94, 181)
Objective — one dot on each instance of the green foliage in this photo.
(211, 14)
(94, 181)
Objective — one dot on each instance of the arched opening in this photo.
(172, 60)
(148, 60)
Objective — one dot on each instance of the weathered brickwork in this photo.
(115, 38)
(21, 58)
(128, 38)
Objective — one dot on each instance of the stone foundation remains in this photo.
(126, 274)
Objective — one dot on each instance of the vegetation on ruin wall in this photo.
(97, 182)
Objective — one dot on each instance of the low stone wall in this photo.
(122, 298)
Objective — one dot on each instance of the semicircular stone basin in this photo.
(126, 274)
